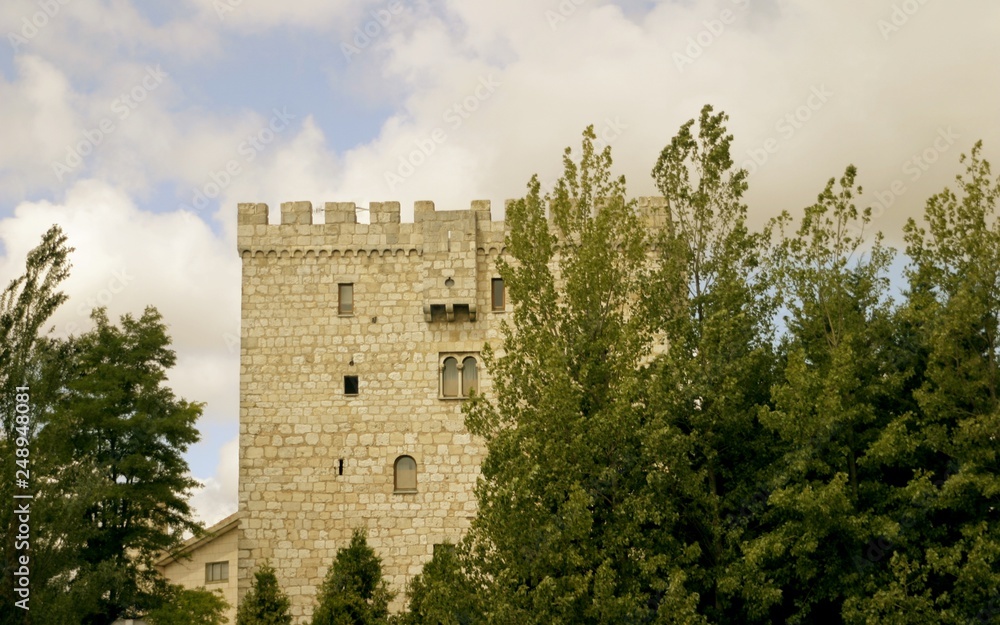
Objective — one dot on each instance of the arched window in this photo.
(405, 475)
(470, 376)
(449, 377)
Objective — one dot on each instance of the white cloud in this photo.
(127, 259)
(216, 499)
(888, 98)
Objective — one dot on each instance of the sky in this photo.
(139, 126)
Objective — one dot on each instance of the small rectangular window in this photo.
(345, 299)
(216, 572)
(350, 385)
(462, 312)
(438, 312)
(498, 294)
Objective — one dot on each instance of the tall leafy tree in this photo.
(945, 565)
(568, 529)
(834, 401)
(265, 603)
(29, 358)
(715, 310)
(354, 592)
(119, 433)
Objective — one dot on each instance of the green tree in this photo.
(264, 603)
(715, 311)
(28, 358)
(185, 606)
(568, 528)
(835, 400)
(443, 593)
(354, 592)
(945, 565)
(119, 434)
(106, 438)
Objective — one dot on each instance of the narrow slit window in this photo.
(449, 377)
(470, 376)
(499, 302)
(345, 299)
(350, 385)
(340, 467)
(405, 475)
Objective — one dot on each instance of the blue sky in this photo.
(443, 100)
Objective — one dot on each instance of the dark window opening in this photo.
(438, 312)
(345, 299)
(462, 312)
(449, 378)
(405, 475)
(350, 385)
(499, 302)
(470, 376)
(340, 467)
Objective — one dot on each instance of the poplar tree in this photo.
(30, 358)
(569, 529)
(829, 410)
(945, 552)
(715, 310)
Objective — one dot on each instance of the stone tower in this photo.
(358, 344)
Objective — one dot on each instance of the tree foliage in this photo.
(264, 603)
(353, 592)
(658, 451)
(106, 438)
(571, 527)
(444, 593)
(186, 606)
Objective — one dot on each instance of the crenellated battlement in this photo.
(431, 229)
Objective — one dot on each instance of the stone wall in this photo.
(315, 462)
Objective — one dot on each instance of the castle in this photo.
(359, 343)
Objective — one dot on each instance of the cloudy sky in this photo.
(138, 126)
